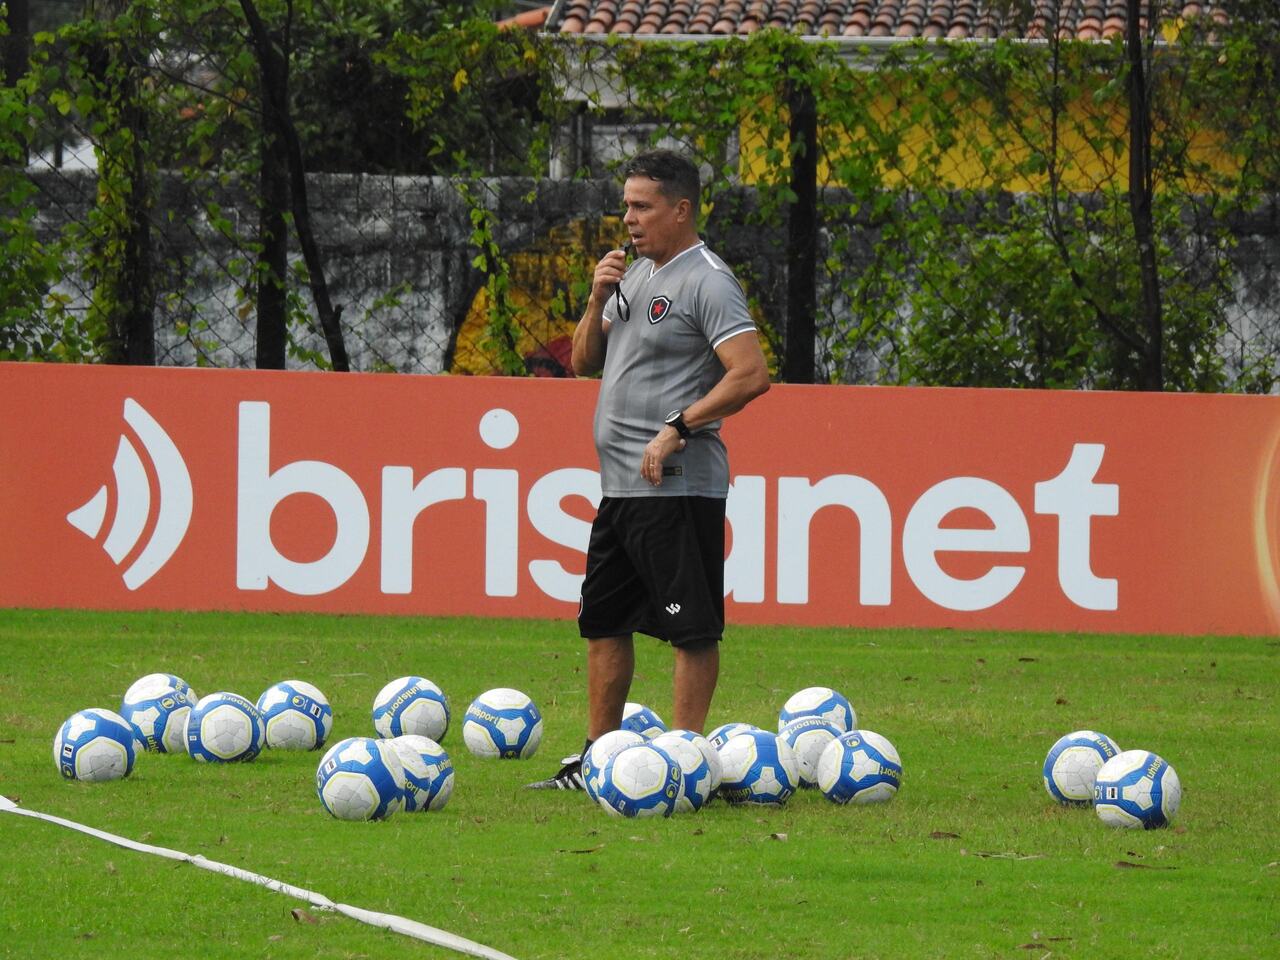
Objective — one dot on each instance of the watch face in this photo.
(673, 416)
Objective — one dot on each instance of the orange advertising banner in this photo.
(133, 488)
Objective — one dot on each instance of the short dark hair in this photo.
(675, 173)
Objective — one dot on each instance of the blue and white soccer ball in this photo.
(411, 706)
(296, 714)
(859, 767)
(640, 781)
(1137, 789)
(1073, 762)
(361, 778)
(502, 723)
(758, 767)
(428, 773)
(161, 681)
(721, 734)
(94, 745)
(808, 737)
(698, 780)
(158, 713)
(223, 728)
(830, 705)
(638, 717)
(605, 748)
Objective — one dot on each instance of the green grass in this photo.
(971, 859)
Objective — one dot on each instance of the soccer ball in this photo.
(697, 778)
(823, 702)
(860, 767)
(428, 773)
(638, 717)
(758, 767)
(361, 778)
(1136, 789)
(94, 744)
(604, 749)
(502, 723)
(640, 781)
(1073, 762)
(158, 713)
(160, 681)
(297, 716)
(808, 737)
(721, 734)
(224, 727)
(411, 705)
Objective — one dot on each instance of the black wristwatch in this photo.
(676, 419)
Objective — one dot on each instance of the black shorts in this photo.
(655, 565)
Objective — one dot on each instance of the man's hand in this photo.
(664, 444)
(608, 275)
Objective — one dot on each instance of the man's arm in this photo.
(589, 336)
(746, 376)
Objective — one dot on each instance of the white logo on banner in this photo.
(133, 500)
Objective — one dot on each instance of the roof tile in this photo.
(906, 19)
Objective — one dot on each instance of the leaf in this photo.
(302, 916)
(459, 79)
(943, 835)
(777, 836)
(1130, 865)
(598, 847)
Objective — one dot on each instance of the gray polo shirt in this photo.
(661, 359)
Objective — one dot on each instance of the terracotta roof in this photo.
(905, 19)
(529, 19)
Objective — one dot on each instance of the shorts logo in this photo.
(673, 608)
(659, 307)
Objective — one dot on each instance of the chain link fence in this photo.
(448, 256)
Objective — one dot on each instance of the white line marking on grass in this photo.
(386, 921)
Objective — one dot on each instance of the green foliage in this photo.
(975, 222)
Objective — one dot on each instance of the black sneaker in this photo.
(569, 777)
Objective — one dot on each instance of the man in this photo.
(679, 352)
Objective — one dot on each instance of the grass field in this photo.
(970, 859)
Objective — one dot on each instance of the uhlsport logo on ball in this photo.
(94, 744)
(1073, 762)
(859, 767)
(296, 715)
(830, 705)
(640, 781)
(428, 772)
(502, 723)
(758, 767)
(411, 706)
(224, 728)
(157, 709)
(1137, 789)
(361, 778)
(808, 737)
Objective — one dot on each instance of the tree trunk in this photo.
(802, 237)
(273, 201)
(1141, 192)
(288, 190)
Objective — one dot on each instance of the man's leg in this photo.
(696, 672)
(611, 663)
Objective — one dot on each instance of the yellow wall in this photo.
(983, 157)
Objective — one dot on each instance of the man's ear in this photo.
(683, 209)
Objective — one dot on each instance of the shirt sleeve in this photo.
(722, 307)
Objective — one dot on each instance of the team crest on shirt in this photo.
(659, 307)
